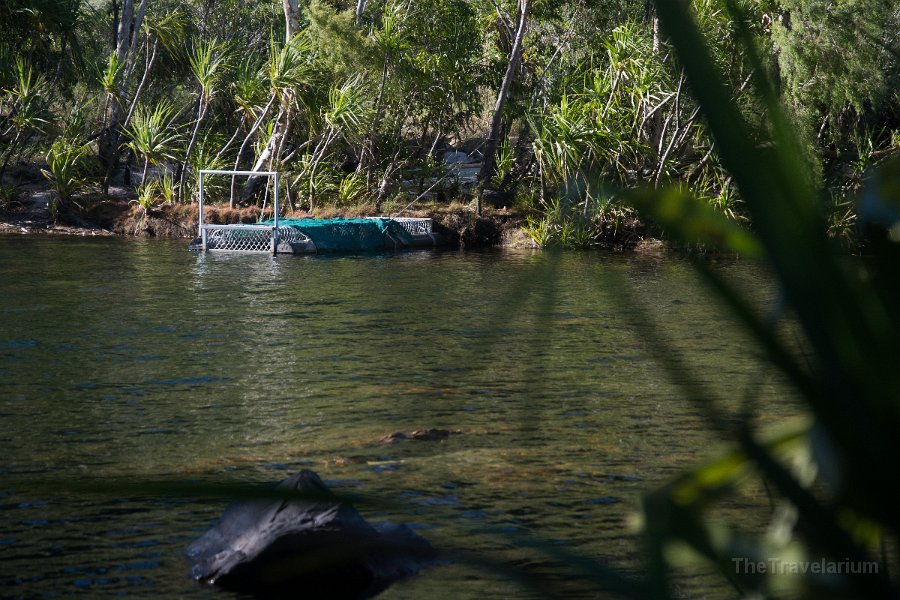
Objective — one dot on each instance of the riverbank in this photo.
(31, 212)
(457, 223)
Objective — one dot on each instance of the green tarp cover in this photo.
(349, 234)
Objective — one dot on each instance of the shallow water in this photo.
(134, 361)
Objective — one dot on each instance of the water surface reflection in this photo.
(136, 360)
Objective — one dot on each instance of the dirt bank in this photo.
(30, 213)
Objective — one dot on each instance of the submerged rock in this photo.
(309, 545)
(427, 435)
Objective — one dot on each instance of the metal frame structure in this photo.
(204, 228)
(266, 238)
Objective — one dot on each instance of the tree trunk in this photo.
(126, 34)
(135, 38)
(360, 9)
(115, 29)
(269, 152)
(201, 112)
(281, 131)
(123, 35)
(291, 18)
(515, 60)
(240, 153)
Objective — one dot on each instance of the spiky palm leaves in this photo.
(23, 109)
(348, 108)
(290, 71)
(290, 67)
(348, 113)
(65, 161)
(208, 61)
(154, 135)
(249, 90)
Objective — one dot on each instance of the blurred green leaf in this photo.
(694, 221)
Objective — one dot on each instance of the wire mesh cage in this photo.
(239, 240)
(306, 235)
(414, 225)
(248, 238)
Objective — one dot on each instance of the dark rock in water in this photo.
(308, 545)
(427, 435)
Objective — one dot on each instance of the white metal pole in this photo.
(202, 229)
(275, 229)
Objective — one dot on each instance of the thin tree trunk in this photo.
(115, 29)
(291, 26)
(187, 155)
(271, 147)
(367, 153)
(655, 32)
(123, 35)
(318, 155)
(109, 145)
(291, 18)
(140, 87)
(127, 32)
(240, 153)
(126, 179)
(135, 38)
(360, 9)
(515, 60)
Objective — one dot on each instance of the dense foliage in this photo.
(558, 105)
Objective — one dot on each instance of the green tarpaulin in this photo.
(350, 234)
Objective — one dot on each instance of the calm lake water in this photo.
(128, 361)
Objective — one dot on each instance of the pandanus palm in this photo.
(110, 80)
(27, 108)
(290, 70)
(209, 62)
(154, 135)
(348, 114)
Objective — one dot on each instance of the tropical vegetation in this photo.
(563, 106)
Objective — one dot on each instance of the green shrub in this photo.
(66, 160)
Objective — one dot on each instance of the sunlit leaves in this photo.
(249, 89)
(291, 66)
(66, 160)
(109, 76)
(154, 134)
(348, 106)
(27, 99)
(208, 60)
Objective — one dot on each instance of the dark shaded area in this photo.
(309, 544)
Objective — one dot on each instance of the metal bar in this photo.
(275, 226)
(239, 226)
(221, 172)
(202, 226)
(202, 229)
